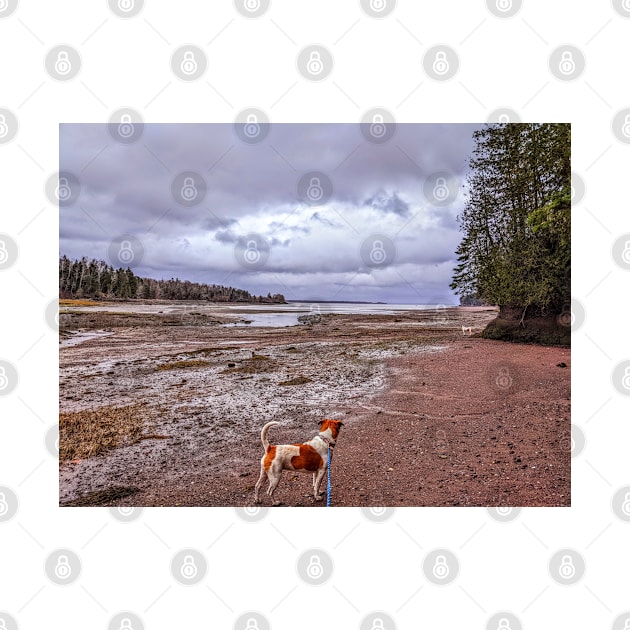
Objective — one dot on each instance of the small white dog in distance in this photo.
(311, 456)
(466, 329)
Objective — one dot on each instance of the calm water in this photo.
(287, 314)
(275, 315)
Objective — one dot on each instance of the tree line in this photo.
(516, 250)
(96, 279)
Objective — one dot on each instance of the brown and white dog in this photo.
(312, 456)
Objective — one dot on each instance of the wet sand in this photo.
(432, 416)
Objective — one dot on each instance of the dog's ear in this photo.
(340, 423)
(320, 423)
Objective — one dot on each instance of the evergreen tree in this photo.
(95, 278)
(516, 221)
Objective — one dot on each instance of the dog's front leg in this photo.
(317, 482)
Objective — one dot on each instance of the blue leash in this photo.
(329, 488)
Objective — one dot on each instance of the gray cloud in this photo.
(389, 202)
(253, 189)
(225, 236)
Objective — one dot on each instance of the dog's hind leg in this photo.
(274, 480)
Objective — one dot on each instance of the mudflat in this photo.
(158, 409)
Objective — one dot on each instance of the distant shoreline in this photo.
(332, 302)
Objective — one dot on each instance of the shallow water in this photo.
(260, 315)
(80, 337)
(265, 320)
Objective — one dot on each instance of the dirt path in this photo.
(481, 423)
(431, 417)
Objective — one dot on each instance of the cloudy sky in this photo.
(313, 211)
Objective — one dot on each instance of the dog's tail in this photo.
(263, 433)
